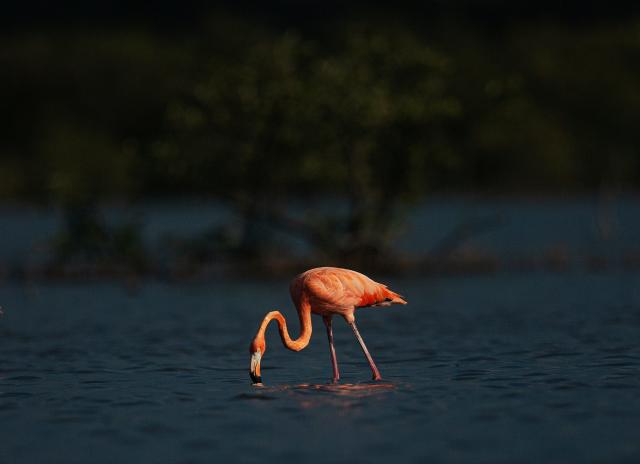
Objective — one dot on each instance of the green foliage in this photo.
(374, 111)
(84, 164)
(287, 118)
(213, 111)
(550, 108)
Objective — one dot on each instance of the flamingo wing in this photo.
(343, 288)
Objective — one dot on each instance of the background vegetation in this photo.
(312, 103)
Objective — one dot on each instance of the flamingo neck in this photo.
(305, 334)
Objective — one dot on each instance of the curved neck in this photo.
(304, 313)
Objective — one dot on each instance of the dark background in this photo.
(356, 112)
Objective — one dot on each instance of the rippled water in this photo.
(496, 369)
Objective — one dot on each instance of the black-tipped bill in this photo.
(254, 369)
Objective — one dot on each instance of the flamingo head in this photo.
(257, 349)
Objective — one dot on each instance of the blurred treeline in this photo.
(374, 107)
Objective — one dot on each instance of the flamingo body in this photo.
(333, 290)
(326, 291)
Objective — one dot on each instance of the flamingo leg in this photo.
(374, 369)
(334, 361)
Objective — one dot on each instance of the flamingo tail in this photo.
(394, 297)
(390, 298)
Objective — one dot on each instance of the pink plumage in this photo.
(326, 291)
(332, 290)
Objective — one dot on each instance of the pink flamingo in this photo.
(325, 291)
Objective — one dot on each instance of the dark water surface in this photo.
(531, 367)
(513, 227)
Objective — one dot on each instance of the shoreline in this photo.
(230, 269)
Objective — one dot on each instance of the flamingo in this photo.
(326, 291)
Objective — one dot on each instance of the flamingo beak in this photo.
(254, 370)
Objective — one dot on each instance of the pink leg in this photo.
(374, 369)
(334, 361)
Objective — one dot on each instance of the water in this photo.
(532, 367)
(514, 227)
